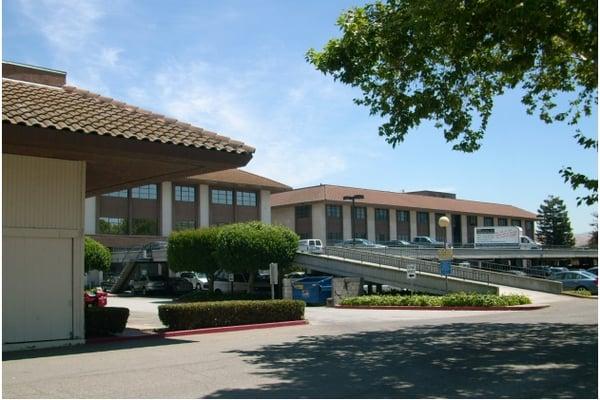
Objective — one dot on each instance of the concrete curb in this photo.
(592, 297)
(431, 308)
(200, 331)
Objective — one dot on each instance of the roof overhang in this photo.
(114, 163)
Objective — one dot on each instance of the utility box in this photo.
(286, 289)
(346, 287)
(314, 290)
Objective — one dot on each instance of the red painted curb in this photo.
(430, 308)
(200, 331)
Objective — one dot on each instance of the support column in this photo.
(480, 220)
(166, 208)
(393, 224)
(319, 230)
(413, 224)
(265, 206)
(347, 222)
(371, 223)
(432, 225)
(203, 218)
(90, 216)
(463, 228)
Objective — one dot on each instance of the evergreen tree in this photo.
(593, 240)
(554, 226)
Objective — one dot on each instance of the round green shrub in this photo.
(97, 256)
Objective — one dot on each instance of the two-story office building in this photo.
(148, 213)
(321, 212)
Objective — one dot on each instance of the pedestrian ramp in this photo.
(392, 270)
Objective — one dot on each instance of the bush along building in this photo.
(321, 212)
(143, 215)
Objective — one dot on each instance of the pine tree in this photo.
(593, 240)
(554, 226)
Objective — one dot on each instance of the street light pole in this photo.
(353, 215)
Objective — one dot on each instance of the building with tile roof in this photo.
(321, 212)
(62, 145)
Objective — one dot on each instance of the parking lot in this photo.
(551, 352)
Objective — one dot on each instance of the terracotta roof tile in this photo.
(239, 177)
(72, 109)
(333, 193)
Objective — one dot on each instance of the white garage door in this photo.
(37, 294)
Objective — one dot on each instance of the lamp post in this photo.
(444, 222)
(352, 214)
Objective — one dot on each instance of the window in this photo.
(112, 226)
(360, 213)
(144, 226)
(423, 218)
(472, 220)
(144, 192)
(334, 236)
(381, 214)
(304, 235)
(515, 222)
(222, 197)
(185, 193)
(402, 216)
(303, 212)
(120, 193)
(404, 237)
(246, 199)
(333, 211)
(488, 221)
(382, 237)
(502, 222)
(183, 225)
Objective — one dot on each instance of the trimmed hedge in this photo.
(449, 300)
(105, 321)
(201, 296)
(228, 313)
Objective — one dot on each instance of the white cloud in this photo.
(109, 56)
(241, 105)
(66, 24)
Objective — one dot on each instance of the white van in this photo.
(310, 245)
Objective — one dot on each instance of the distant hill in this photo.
(581, 239)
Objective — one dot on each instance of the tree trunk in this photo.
(251, 282)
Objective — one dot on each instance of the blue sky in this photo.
(238, 68)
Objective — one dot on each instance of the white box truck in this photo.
(503, 236)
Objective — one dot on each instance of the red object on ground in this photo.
(99, 299)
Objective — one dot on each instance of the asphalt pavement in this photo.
(548, 353)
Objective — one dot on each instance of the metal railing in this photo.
(402, 262)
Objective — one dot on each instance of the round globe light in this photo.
(444, 222)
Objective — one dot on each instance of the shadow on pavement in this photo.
(451, 361)
(91, 348)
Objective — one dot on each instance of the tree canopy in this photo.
(554, 227)
(446, 61)
(96, 256)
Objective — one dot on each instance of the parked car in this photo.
(577, 280)
(362, 243)
(240, 282)
(398, 243)
(426, 241)
(593, 270)
(179, 285)
(149, 284)
(197, 279)
(296, 275)
(310, 245)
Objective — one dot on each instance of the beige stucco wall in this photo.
(284, 216)
(42, 260)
